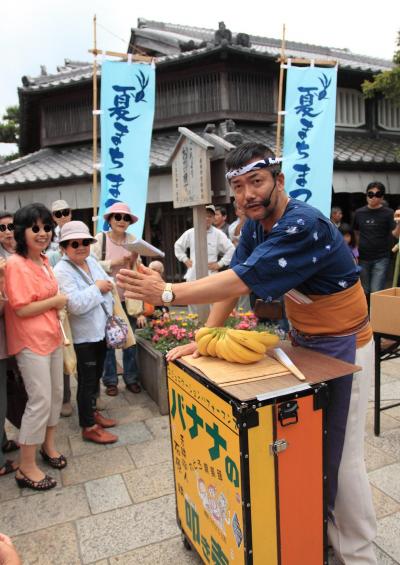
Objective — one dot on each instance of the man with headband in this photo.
(287, 244)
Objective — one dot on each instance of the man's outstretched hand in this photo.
(146, 285)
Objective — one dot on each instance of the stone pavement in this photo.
(115, 505)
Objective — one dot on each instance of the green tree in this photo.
(386, 82)
(9, 126)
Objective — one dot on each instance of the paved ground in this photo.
(115, 505)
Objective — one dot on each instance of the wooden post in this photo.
(280, 95)
(201, 254)
(396, 268)
(95, 197)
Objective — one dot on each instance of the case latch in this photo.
(287, 413)
(278, 446)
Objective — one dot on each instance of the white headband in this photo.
(268, 162)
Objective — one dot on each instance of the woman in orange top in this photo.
(34, 337)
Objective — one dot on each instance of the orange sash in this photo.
(339, 314)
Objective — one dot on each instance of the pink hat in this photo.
(75, 230)
(120, 208)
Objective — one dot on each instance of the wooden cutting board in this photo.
(223, 372)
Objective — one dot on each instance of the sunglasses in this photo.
(125, 217)
(47, 228)
(4, 227)
(66, 212)
(377, 194)
(76, 244)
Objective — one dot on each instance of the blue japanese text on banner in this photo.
(309, 134)
(127, 111)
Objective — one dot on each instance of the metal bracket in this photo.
(288, 413)
(321, 396)
(278, 446)
(246, 415)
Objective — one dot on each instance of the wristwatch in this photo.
(167, 296)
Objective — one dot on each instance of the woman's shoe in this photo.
(104, 422)
(46, 483)
(10, 446)
(134, 387)
(66, 410)
(97, 434)
(112, 390)
(55, 462)
(8, 468)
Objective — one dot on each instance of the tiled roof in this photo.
(74, 163)
(68, 74)
(74, 72)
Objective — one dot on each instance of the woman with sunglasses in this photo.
(7, 241)
(6, 465)
(89, 294)
(61, 212)
(34, 337)
(7, 248)
(110, 251)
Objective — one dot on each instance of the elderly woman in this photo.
(110, 251)
(34, 337)
(6, 466)
(88, 289)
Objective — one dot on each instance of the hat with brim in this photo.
(60, 205)
(210, 208)
(120, 208)
(75, 230)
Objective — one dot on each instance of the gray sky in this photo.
(44, 32)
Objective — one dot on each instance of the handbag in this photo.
(69, 355)
(117, 328)
(119, 311)
(134, 307)
(16, 393)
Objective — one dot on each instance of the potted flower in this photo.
(162, 333)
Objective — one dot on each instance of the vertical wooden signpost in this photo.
(191, 187)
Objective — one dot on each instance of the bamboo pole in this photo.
(95, 196)
(280, 96)
(317, 62)
(123, 56)
(396, 268)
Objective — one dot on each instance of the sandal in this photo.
(8, 468)
(55, 462)
(112, 390)
(25, 482)
(10, 446)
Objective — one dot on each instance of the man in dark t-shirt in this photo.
(375, 227)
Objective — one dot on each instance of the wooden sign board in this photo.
(191, 177)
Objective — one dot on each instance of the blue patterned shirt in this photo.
(303, 250)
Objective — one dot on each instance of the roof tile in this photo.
(75, 162)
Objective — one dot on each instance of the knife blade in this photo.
(281, 356)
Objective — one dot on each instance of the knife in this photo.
(281, 356)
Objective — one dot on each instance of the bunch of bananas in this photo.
(236, 346)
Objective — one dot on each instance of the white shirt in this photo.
(217, 244)
(232, 227)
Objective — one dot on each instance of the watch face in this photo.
(167, 296)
